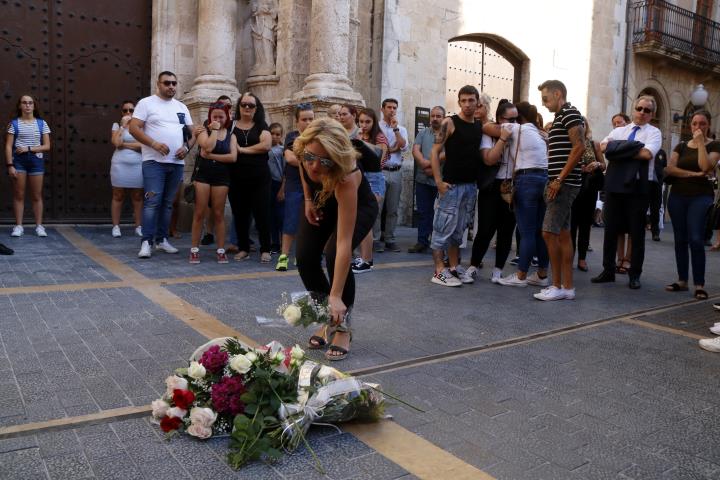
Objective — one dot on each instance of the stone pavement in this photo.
(611, 385)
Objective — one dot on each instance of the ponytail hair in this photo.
(529, 113)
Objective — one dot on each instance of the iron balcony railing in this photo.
(661, 27)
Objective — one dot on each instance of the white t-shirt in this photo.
(533, 148)
(162, 124)
(505, 169)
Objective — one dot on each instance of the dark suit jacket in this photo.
(624, 173)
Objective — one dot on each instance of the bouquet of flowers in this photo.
(304, 308)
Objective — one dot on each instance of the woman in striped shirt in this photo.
(27, 141)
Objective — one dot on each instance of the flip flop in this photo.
(676, 287)
(701, 294)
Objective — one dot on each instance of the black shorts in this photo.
(215, 174)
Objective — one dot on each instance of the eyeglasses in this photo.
(26, 102)
(643, 109)
(249, 106)
(167, 83)
(309, 158)
(128, 110)
(510, 119)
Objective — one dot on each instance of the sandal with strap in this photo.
(621, 268)
(676, 287)
(701, 294)
(336, 353)
(320, 340)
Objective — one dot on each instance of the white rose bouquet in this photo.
(304, 308)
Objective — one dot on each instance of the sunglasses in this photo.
(309, 158)
(249, 106)
(167, 83)
(510, 119)
(128, 110)
(643, 109)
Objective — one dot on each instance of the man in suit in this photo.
(627, 191)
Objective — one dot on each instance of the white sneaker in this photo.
(462, 275)
(496, 275)
(710, 344)
(145, 250)
(513, 281)
(138, 231)
(551, 293)
(40, 231)
(17, 231)
(472, 271)
(535, 280)
(569, 293)
(116, 231)
(446, 279)
(715, 328)
(166, 247)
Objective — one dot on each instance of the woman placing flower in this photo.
(340, 210)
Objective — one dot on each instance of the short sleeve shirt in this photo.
(425, 139)
(292, 173)
(28, 135)
(559, 145)
(276, 162)
(688, 160)
(163, 124)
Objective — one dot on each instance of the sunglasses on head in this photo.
(128, 110)
(167, 83)
(249, 106)
(643, 109)
(309, 158)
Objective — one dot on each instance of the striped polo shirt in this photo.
(559, 145)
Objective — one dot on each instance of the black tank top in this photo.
(250, 165)
(462, 152)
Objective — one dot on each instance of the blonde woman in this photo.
(340, 210)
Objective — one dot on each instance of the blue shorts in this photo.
(377, 182)
(294, 207)
(453, 213)
(29, 163)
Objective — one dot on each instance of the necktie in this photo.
(632, 134)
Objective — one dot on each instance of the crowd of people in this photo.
(333, 186)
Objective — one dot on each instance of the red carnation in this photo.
(168, 424)
(183, 398)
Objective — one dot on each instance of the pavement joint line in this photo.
(663, 328)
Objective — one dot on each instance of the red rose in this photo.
(183, 398)
(168, 424)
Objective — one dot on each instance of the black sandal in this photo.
(701, 294)
(320, 340)
(333, 350)
(676, 287)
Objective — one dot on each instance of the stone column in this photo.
(217, 31)
(329, 47)
(353, 41)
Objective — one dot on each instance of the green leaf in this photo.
(251, 409)
(241, 422)
(273, 453)
(248, 397)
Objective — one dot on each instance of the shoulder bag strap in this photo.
(16, 129)
(40, 129)
(517, 149)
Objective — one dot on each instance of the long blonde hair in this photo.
(335, 140)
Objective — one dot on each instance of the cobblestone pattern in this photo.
(695, 318)
(135, 449)
(47, 261)
(66, 354)
(616, 401)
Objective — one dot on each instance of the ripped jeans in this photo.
(160, 182)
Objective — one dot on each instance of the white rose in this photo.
(159, 409)
(240, 363)
(326, 372)
(252, 356)
(297, 353)
(196, 371)
(199, 431)
(279, 357)
(202, 416)
(176, 412)
(174, 382)
(292, 314)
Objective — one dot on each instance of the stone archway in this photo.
(491, 63)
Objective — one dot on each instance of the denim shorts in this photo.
(453, 214)
(559, 210)
(293, 209)
(29, 163)
(377, 182)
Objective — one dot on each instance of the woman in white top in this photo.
(126, 171)
(26, 143)
(527, 145)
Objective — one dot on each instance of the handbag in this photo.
(189, 189)
(507, 186)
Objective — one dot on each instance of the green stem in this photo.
(397, 399)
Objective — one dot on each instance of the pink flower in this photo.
(226, 393)
(199, 431)
(204, 417)
(159, 409)
(214, 359)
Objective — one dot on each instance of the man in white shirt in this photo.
(161, 124)
(397, 145)
(626, 204)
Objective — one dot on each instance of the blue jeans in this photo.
(688, 213)
(529, 212)
(425, 196)
(160, 181)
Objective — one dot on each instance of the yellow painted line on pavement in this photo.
(412, 452)
(61, 287)
(663, 328)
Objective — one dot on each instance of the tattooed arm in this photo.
(577, 140)
(446, 129)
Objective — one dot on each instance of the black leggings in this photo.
(581, 220)
(251, 196)
(494, 215)
(313, 240)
